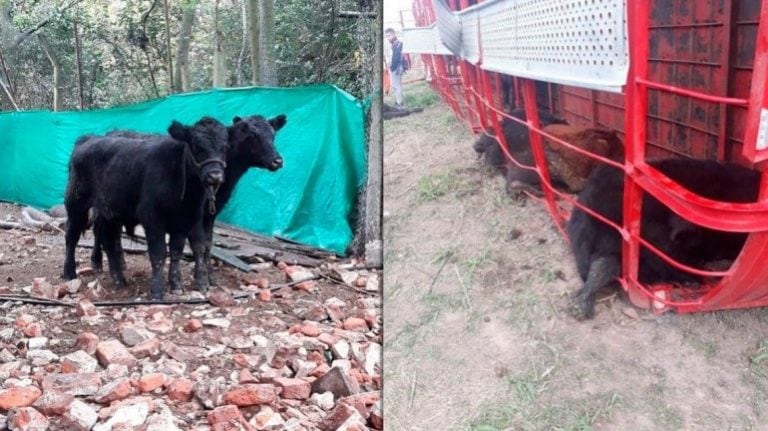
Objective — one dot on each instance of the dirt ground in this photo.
(477, 337)
(297, 334)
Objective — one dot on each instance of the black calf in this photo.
(251, 145)
(160, 182)
(597, 247)
(519, 145)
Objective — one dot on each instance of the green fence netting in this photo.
(309, 200)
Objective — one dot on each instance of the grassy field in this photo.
(476, 337)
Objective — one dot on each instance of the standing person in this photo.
(396, 66)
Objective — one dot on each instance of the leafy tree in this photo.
(125, 47)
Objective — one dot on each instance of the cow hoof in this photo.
(581, 309)
(120, 282)
(202, 287)
(213, 280)
(176, 291)
(175, 285)
(97, 264)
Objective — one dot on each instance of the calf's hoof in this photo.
(175, 285)
(97, 266)
(119, 281)
(202, 285)
(157, 293)
(581, 308)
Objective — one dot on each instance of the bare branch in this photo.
(10, 96)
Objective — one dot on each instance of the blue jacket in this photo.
(397, 56)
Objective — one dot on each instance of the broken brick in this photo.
(78, 362)
(150, 382)
(355, 324)
(26, 418)
(86, 308)
(295, 389)
(251, 394)
(87, 342)
(77, 384)
(180, 389)
(113, 391)
(337, 382)
(193, 325)
(54, 403)
(113, 352)
(146, 349)
(18, 397)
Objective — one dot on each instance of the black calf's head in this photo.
(253, 141)
(207, 142)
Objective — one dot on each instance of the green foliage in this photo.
(125, 60)
(315, 45)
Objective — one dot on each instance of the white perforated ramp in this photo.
(573, 42)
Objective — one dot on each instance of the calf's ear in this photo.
(178, 131)
(278, 122)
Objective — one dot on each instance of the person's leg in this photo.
(397, 87)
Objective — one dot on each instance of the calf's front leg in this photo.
(176, 248)
(157, 251)
(208, 229)
(197, 241)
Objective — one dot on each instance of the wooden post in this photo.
(374, 255)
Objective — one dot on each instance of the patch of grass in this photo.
(450, 119)
(443, 255)
(708, 348)
(524, 308)
(419, 95)
(470, 265)
(669, 416)
(548, 275)
(432, 187)
(761, 355)
(525, 412)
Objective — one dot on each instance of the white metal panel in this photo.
(448, 26)
(573, 42)
(423, 40)
(762, 131)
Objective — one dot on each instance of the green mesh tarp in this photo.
(309, 200)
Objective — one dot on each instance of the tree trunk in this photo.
(267, 72)
(182, 78)
(169, 57)
(253, 39)
(219, 68)
(58, 85)
(8, 96)
(243, 45)
(373, 196)
(79, 60)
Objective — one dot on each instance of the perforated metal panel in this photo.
(423, 40)
(470, 38)
(573, 42)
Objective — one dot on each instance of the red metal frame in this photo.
(727, 111)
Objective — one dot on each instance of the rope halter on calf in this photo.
(210, 191)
